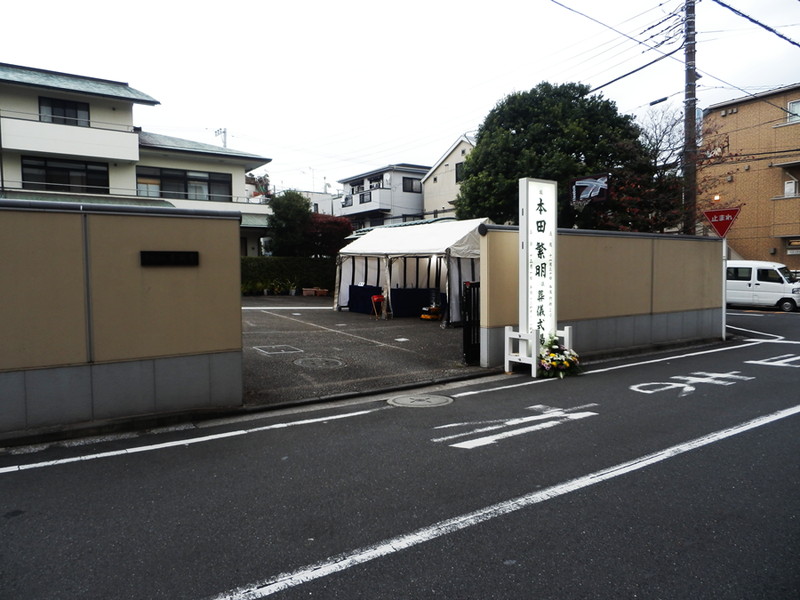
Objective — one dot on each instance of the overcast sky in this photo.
(328, 90)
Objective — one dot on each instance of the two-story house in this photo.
(751, 159)
(391, 194)
(442, 183)
(70, 138)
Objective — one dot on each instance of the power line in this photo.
(752, 20)
(652, 62)
(617, 31)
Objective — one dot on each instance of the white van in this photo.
(762, 283)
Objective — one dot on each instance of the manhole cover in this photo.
(419, 401)
(319, 363)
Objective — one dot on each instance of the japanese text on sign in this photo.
(538, 254)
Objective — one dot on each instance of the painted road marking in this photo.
(341, 562)
(276, 349)
(784, 360)
(186, 442)
(550, 417)
(686, 388)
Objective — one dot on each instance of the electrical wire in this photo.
(752, 20)
(634, 71)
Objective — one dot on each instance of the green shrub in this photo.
(258, 272)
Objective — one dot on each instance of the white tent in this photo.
(412, 266)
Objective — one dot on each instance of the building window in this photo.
(364, 197)
(153, 182)
(794, 111)
(63, 112)
(412, 185)
(61, 175)
(459, 172)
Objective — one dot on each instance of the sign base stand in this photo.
(527, 351)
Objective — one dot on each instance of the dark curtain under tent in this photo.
(412, 266)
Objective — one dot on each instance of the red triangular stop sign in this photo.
(721, 219)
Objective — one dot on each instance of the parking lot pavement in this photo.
(298, 348)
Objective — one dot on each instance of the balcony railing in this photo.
(57, 190)
(37, 117)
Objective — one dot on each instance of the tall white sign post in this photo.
(538, 320)
(537, 257)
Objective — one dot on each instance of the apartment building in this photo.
(750, 158)
(387, 195)
(70, 138)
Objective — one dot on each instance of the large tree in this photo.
(557, 132)
(290, 219)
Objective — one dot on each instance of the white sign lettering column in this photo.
(538, 320)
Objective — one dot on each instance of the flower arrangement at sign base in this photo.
(557, 361)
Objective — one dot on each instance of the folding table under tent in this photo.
(412, 266)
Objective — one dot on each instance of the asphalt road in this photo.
(670, 475)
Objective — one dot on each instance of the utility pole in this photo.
(690, 123)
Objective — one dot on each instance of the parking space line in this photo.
(340, 332)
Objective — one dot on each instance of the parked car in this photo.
(761, 283)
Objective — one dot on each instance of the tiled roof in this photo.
(72, 83)
(165, 142)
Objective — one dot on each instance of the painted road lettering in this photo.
(693, 378)
(550, 417)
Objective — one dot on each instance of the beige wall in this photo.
(163, 311)
(134, 312)
(603, 276)
(43, 318)
(499, 278)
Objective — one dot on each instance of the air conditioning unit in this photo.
(790, 187)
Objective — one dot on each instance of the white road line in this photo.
(344, 561)
(677, 357)
(772, 335)
(359, 337)
(184, 442)
(622, 366)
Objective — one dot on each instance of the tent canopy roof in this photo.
(461, 238)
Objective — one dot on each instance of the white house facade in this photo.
(391, 194)
(442, 183)
(70, 138)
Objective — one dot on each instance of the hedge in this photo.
(278, 273)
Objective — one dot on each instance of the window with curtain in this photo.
(184, 185)
(63, 112)
(63, 175)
